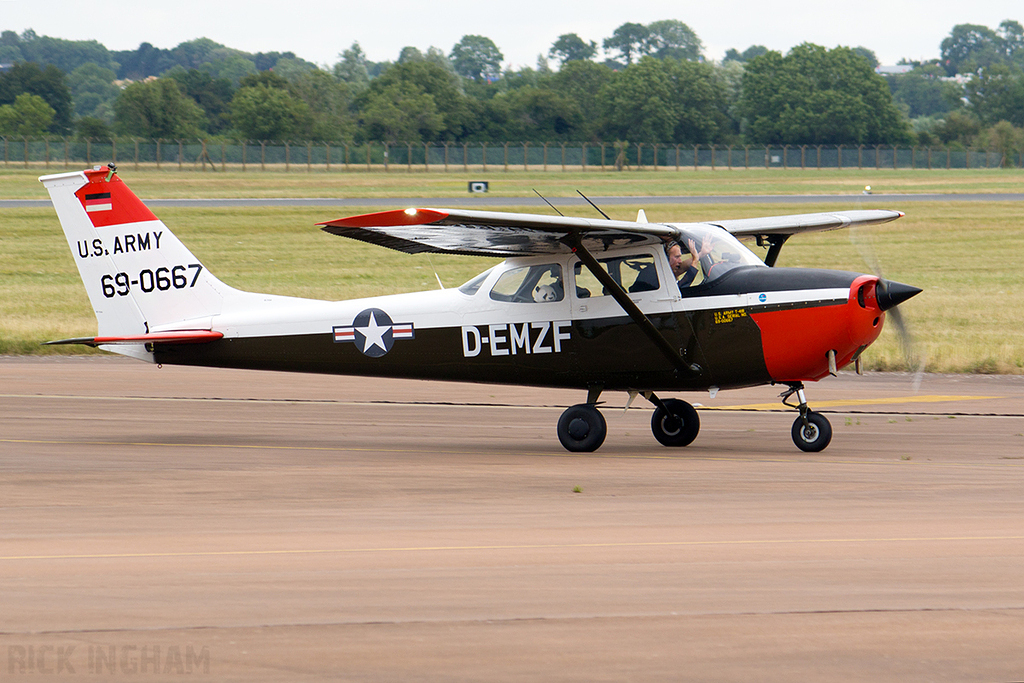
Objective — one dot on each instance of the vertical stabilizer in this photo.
(138, 275)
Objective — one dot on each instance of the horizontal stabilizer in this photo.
(177, 337)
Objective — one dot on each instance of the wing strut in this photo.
(775, 243)
(634, 312)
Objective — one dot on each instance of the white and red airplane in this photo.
(589, 304)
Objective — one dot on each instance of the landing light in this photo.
(410, 212)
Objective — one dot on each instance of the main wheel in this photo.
(815, 435)
(582, 428)
(677, 426)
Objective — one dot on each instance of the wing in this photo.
(805, 222)
(491, 233)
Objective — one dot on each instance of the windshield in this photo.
(473, 286)
(715, 251)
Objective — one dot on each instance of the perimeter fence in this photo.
(245, 156)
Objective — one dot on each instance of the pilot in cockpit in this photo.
(684, 263)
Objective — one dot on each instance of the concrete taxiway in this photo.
(244, 526)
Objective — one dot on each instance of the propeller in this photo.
(890, 294)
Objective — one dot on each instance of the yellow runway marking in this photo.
(857, 402)
(525, 546)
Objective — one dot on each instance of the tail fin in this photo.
(140, 278)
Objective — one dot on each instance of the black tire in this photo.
(813, 437)
(678, 426)
(582, 428)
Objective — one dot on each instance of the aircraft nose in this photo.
(890, 294)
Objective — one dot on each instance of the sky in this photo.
(522, 29)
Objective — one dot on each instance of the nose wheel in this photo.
(812, 431)
(814, 435)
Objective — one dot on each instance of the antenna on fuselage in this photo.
(431, 262)
(607, 217)
(548, 203)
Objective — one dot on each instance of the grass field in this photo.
(967, 257)
(22, 183)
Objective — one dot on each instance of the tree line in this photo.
(653, 85)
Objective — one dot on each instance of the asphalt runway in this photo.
(223, 525)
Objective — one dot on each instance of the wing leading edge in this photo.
(806, 222)
(492, 233)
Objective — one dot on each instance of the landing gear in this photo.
(811, 431)
(674, 423)
(582, 428)
(814, 435)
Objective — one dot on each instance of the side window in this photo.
(639, 274)
(530, 284)
(633, 273)
(586, 284)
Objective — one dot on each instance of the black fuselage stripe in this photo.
(611, 351)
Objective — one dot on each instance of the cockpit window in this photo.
(473, 286)
(715, 252)
(530, 284)
(636, 273)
